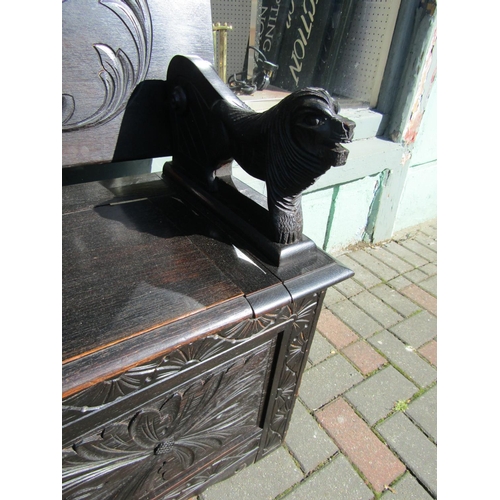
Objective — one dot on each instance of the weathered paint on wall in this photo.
(349, 216)
(425, 84)
(419, 199)
(425, 148)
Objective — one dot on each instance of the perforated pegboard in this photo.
(365, 48)
(236, 13)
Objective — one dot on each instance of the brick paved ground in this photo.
(364, 426)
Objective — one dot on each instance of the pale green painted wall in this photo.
(419, 200)
(316, 209)
(350, 211)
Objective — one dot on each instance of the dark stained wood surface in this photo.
(144, 272)
(109, 50)
(102, 364)
(122, 265)
(204, 415)
(130, 266)
(87, 195)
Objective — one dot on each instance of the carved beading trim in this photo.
(118, 74)
(101, 395)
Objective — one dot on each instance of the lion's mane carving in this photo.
(289, 147)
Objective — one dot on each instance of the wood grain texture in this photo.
(154, 446)
(126, 270)
(85, 196)
(128, 262)
(180, 361)
(108, 51)
(101, 365)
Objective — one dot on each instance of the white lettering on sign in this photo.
(270, 25)
(300, 44)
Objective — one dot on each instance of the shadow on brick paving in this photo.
(364, 425)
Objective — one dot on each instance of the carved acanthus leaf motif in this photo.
(98, 396)
(118, 74)
(161, 441)
(303, 312)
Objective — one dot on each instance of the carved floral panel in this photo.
(102, 395)
(162, 440)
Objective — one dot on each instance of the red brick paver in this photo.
(364, 356)
(429, 351)
(337, 332)
(361, 446)
(421, 297)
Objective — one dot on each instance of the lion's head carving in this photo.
(304, 140)
(317, 127)
(289, 146)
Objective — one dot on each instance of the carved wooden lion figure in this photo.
(289, 147)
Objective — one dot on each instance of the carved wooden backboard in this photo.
(112, 48)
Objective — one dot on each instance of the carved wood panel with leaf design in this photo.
(154, 447)
(169, 442)
(100, 396)
(111, 46)
(291, 364)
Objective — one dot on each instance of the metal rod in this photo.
(222, 48)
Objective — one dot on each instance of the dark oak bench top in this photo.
(134, 265)
(143, 272)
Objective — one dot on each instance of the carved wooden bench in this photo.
(189, 304)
